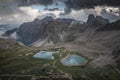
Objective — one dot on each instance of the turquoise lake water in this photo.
(44, 54)
(74, 60)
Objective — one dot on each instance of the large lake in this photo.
(74, 60)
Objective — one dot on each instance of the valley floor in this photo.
(18, 64)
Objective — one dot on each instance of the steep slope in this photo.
(97, 32)
(111, 26)
(39, 30)
(108, 35)
(32, 31)
(101, 32)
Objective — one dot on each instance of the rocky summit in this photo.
(41, 29)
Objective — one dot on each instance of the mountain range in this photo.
(96, 35)
(97, 39)
(49, 31)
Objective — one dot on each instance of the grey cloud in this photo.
(110, 16)
(78, 4)
(10, 7)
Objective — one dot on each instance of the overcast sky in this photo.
(19, 11)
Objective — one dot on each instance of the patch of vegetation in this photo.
(18, 61)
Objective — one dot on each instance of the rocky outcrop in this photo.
(111, 26)
(32, 31)
(47, 28)
(96, 22)
(93, 19)
(9, 32)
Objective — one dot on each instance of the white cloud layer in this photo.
(27, 14)
(110, 13)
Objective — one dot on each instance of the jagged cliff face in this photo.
(54, 30)
(107, 35)
(98, 19)
(96, 30)
(32, 31)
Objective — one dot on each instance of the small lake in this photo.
(45, 55)
(74, 60)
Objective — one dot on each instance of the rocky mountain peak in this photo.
(44, 20)
(32, 31)
(60, 30)
(91, 18)
(97, 19)
(101, 20)
(114, 26)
